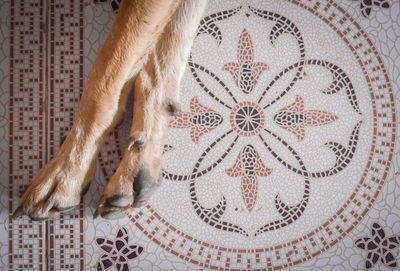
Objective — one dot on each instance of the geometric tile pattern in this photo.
(27, 122)
(46, 67)
(65, 73)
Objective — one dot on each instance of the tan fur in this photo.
(166, 29)
(156, 87)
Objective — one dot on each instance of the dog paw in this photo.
(117, 196)
(49, 194)
(122, 193)
(118, 192)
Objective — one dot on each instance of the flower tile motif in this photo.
(249, 166)
(294, 118)
(200, 120)
(366, 5)
(117, 252)
(245, 72)
(379, 247)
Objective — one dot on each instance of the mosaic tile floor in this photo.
(285, 155)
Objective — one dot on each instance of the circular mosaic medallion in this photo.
(284, 142)
(247, 119)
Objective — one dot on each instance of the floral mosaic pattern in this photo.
(294, 118)
(249, 166)
(200, 120)
(117, 252)
(245, 72)
(367, 5)
(247, 119)
(379, 247)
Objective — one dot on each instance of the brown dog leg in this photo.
(156, 99)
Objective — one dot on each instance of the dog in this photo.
(146, 50)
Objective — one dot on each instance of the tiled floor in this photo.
(285, 155)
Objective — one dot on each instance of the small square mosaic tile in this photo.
(285, 156)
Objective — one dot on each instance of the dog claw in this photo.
(86, 189)
(139, 143)
(131, 144)
(48, 205)
(108, 211)
(96, 214)
(39, 218)
(113, 215)
(174, 109)
(144, 186)
(120, 200)
(18, 213)
(65, 209)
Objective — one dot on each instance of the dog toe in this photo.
(144, 186)
(61, 201)
(118, 192)
(39, 214)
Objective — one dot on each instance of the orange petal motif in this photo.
(297, 106)
(294, 118)
(258, 68)
(236, 169)
(318, 117)
(196, 132)
(249, 166)
(233, 68)
(245, 72)
(298, 130)
(245, 50)
(181, 121)
(196, 107)
(261, 169)
(200, 120)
